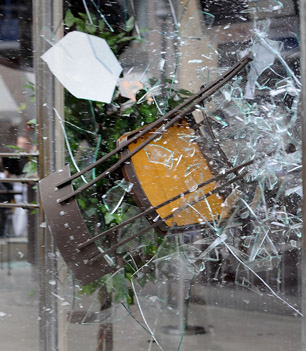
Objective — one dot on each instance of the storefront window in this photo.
(180, 122)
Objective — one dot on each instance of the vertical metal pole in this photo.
(59, 163)
(303, 70)
(44, 17)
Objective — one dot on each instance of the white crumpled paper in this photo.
(85, 65)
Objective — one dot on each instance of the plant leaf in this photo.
(90, 28)
(101, 25)
(30, 86)
(185, 92)
(22, 107)
(69, 19)
(31, 121)
(20, 149)
(130, 23)
(30, 168)
(121, 40)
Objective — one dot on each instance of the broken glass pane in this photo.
(202, 227)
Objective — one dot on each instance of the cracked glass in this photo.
(177, 213)
(207, 237)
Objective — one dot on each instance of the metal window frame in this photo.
(49, 95)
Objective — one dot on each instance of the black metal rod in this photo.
(208, 92)
(211, 88)
(215, 141)
(152, 209)
(123, 242)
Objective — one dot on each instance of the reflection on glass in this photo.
(19, 291)
(219, 266)
(225, 279)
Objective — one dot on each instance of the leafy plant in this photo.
(30, 87)
(117, 40)
(101, 125)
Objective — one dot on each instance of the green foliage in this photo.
(116, 40)
(30, 168)
(32, 122)
(30, 86)
(22, 107)
(114, 284)
(69, 19)
(130, 23)
(101, 125)
(17, 148)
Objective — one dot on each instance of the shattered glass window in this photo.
(200, 221)
(175, 220)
